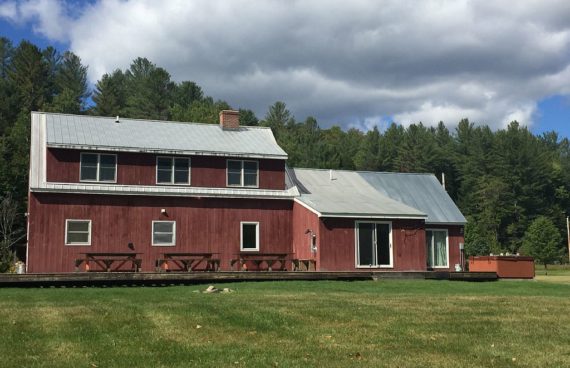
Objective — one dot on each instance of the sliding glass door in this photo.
(437, 248)
(374, 244)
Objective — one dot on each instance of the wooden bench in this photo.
(302, 264)
(187, 262)
(270, 259)
(109, 261)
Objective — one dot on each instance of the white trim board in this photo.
(164, 190)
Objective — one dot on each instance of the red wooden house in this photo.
(106, 185)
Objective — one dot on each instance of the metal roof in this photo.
(346, 195)
(421, 191)
(101, 133)
(376, 193)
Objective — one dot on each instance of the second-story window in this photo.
(172, 170)
(242, 173)
(98, 167)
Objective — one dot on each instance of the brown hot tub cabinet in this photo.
(514, 267)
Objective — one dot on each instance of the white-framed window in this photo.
(77, 232)
(164, 233)
(100, 167)
(173, 170)
(437, 244)
(249, 236)
(242, 173)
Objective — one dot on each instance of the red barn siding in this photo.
(202, 225)
(338, 252)
(140, 169)
(304, 219)
(456, 236)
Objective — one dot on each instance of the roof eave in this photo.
(374, 215)
(163, 151)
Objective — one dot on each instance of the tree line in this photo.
(501, 180)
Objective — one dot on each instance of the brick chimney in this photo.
(229, 119)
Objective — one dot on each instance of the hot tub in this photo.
(507, 267)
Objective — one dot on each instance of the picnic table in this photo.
(176, 261)
(270, 259)
(109, 261)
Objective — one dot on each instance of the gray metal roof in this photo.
(421, 191)
(346, 195)
(101, 133)
(376, 193)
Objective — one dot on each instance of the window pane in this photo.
(181, 164)
(164, 176)
(77, 237)
(163, 227)
(234, 165)
(162, 238)
(365, 244)
(440, 249)
(181, 176)
(181, 171)
(164, 170)
(249, 236)
(78, 226)
(383, 244)
(107, 174)
(250, 166)
(164, 163)
(250, 180)
(234, 178)
(108, 160)
(89, 159)
(429, 243)
(88, 173)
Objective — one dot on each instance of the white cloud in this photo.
(349, 62)
(49, 17)
(9, 10)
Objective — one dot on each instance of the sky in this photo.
(358, 63)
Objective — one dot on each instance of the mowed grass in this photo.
(554, 273)
(290, 324)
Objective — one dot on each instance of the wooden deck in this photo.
(183, 278)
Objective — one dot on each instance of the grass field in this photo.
(290, 324)
(555, 273)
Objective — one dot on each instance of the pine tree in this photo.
(71, 85)
(29, 73)
(542, 241)
(149, 91)
(110, 95)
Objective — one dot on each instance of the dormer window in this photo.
(172, 170)
(98, 167)
(242, 173)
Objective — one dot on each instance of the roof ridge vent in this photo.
(117, 120)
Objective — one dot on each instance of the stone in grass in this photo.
(212, 289)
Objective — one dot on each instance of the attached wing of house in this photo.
(340, 193)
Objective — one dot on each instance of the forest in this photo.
(502, 180)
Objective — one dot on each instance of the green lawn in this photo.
(290, 324)
(556, 273)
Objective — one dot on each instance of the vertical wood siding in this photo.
(304, 219)
(202, 225)
(338, 252)
(140, 169)
(456, 236)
